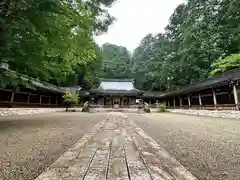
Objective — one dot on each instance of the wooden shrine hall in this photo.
(111, 93)
(34, 94)
(218, 92)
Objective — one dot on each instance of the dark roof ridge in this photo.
(115, 80)
(28, 78)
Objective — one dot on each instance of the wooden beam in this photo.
(200, 99)
(40, 100)
(49, 100)
(180, 99)
(28, 100)
(214, 98)
(174, 102)
(12, 96)
(235, 96)
(189, 101)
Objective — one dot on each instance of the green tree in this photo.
(226, 64)
(50, 40)
(198, 34)
(116, 61)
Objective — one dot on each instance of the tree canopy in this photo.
(199, 37)
(52, 39)
(116, 61)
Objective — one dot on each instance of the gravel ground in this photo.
(27, 111)
(208, 147)
(221, 114)
(29, 144)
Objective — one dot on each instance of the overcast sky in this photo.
(135, 19)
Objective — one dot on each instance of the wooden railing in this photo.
(209, 107)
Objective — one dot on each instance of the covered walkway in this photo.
(218, 92)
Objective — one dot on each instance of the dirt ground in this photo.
(29, 144)
(208, 147)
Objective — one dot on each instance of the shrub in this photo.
(147, 109)
(228, 63)
(162, 108)
(70, 99)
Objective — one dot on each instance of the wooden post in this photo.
(111, 106)
(49, 100)
(166, 103)
(56, 100)
(181, 104)
(12, 97)
(174, 103)
(28, 100)
(235, 96)
(214, 98)
(200, 100)
(189, 101)
(157, 103)
(40, 100)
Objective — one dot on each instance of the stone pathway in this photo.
(116, 149)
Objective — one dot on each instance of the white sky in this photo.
(137, 18)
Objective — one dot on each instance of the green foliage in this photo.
(198, 34)
(51, 39)
(226, 64)
(116, 61)
(70, 98)
(162, 108)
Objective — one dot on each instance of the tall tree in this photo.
(116, 61)
(199, 33)
(50, 39)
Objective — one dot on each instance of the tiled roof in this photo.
(215, 81)
(34, 83)
(152, 94)
(116, 85)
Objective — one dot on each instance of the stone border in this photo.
(27, 111)
(226, 114)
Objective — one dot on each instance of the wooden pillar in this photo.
(111, 105)
(200, 99)
(12, 97)
(214, 98)
(49, 100)
(28, 100)
(189, 101)
(174, 103)
(181, 104)
(40, 100)
(56, 99)
(235, 96)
